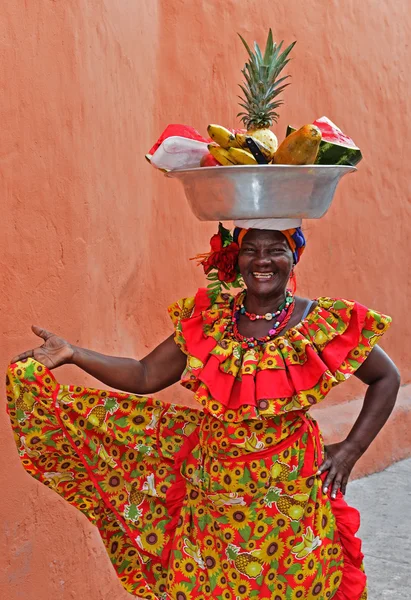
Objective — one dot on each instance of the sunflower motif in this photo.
(325, 384)
(242, 588)
(272, 548)
(80, 405)
(261, 529)
(90, 400)
(310, 565)
(300, 577)
(189, 567)
(237, 518)
(113, 483)
(34, 438)
(228, 534)
(67, 464)
(119, 499)
(138, 420)
(181, 591)
(84, 504)
(63, 446)
(151, 539)
(86, 488)
(317, 589)
(211, 560)
(325, 521)
(310, 397)
(281, 523)
(298, 593)
(270, 579)
(208, 541)
(227, 480)
(39, 413)
(126, 406)
(379, 327)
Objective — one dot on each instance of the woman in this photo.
(238, 499)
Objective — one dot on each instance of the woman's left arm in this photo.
(383, 380)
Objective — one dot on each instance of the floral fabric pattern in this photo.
(222, 502)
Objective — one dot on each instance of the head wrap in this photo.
(294, 236)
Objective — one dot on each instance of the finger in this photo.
(336, 486)
(324, 466)
(43, 333)
(27, 354)
(329, 479)
(344, 484)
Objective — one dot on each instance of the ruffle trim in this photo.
(299, 367)
(354, 580)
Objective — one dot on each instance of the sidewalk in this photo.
(384, 500)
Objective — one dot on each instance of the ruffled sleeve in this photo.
(190, 317)
(343, 333)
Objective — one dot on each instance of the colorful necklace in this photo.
(281, 322)
(289, 299)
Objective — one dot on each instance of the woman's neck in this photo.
(260, 305)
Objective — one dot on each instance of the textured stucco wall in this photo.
(94, 243)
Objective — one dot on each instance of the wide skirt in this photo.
(190, 507)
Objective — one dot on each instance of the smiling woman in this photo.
(238, 498)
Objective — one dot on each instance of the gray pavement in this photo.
(384, 500)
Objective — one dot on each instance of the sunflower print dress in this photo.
(222, 502)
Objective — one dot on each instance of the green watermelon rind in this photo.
(334, 154)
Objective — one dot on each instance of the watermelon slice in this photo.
(336, 148)
(176, 130)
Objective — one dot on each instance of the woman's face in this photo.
(265, 262)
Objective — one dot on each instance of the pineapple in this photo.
(262, 89)
(245, 562)
(136, 497)
(280, 471)
(98, 414)
(290, 506)
(24, 402)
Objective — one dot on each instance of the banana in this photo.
(241, 138)
(242, 157)
(222, 155)
(221, 135)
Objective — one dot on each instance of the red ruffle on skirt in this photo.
(354, 580)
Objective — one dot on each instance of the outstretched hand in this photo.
(339, 461)
(53, 353)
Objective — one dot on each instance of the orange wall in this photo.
(94, 243)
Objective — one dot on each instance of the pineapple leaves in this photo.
(269, 47)
(262, 85)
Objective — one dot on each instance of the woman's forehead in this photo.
(264, 236)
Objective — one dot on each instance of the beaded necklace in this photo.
(289, 299)
(282, 315)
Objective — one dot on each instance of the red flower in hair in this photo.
(223, 258)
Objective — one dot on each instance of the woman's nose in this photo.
(262, 258)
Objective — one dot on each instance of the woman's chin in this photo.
(262, 286)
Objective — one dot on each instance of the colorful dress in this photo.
(222, 502)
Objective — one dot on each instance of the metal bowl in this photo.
(260, 191)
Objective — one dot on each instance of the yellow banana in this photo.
(222, 136)
(241, 157)
(222, 155)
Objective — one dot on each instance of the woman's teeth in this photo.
(262, 276)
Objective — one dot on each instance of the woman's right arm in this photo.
(158, 370)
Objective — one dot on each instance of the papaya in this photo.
(299, 148)
(336, 147)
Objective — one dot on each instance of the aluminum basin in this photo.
(260, 191)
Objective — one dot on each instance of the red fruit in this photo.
(208, 160)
